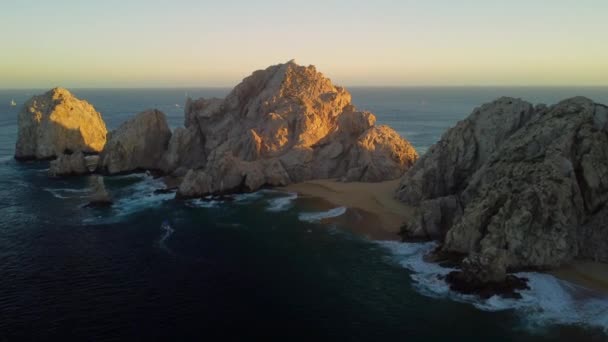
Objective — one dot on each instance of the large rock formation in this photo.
(55, 122)
(284, 124)
(515, 187)
(139, 143)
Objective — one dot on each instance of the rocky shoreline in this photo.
(512, 187)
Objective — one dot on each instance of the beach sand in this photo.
(589, 274)
(380, 214)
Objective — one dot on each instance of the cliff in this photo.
(515, 187)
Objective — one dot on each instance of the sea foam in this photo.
(135, 198)
(318, 216)
(282, 203)
(548, 301)
(66, 193)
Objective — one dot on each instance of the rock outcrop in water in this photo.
(73, 164)
(285, 124)
(99, 195)
(57, 122)
(139, 143)
(514, 187)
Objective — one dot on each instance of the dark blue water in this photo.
(252, 267)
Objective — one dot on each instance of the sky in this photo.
(152, 43)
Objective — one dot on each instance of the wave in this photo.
(168, 232)
(248, 197)
(142, 196)
(282, 203)
(6, 159)
(318, 216)
(549, 300)
(135, 198)
(62, 193)
(203, 203)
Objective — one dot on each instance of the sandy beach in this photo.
(381, 215)
(589, 274)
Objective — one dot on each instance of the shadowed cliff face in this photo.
(516, 187)
(55, 122)
(138, 144)
(285, 124)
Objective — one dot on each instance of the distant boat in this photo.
(13, 103)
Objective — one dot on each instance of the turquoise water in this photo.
(261, 265)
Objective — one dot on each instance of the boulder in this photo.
(140, 143)
(285, 124)
(57, 122)
(516, 187)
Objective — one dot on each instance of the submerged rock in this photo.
(285, 124)
(57, 122)
(516, 187)
(139, 143)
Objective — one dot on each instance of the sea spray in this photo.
(322, 215)
(549, 300)
(168, 232)
(134, 198)
(282, 203)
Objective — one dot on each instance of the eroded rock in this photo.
(57, 122)
(529, 194)
(285, 124)
(140, 143)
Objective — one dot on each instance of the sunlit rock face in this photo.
(287, 123)
(516, 187)
(55, 122)
(139, 143)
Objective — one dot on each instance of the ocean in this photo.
(260, 266)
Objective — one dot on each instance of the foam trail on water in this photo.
(549, 301)
(248, 197)
(135, 198)
(318, 216)
(282, 203)
(199, 203)
(63, 193)
(168, 232)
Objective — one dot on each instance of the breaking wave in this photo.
(549, 300)
(203, 203)
(137, 197)
(65, 193)
(282, 203)
(318, 216)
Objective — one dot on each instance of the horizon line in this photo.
(344, 86)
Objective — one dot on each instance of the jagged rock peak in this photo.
(292, 119)
(280, 83)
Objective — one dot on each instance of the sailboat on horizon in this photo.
(13, 103)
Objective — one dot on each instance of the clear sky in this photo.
(133, 43)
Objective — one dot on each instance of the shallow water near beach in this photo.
(267, 264)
